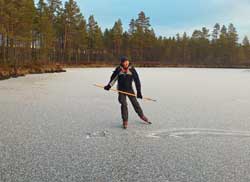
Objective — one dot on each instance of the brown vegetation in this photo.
(7, 72)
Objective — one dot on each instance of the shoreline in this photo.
(103, 65)
(7, 72)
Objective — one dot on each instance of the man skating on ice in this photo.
(125, 74)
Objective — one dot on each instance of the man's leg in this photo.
(124, 106)
(138, 109)
(136, 105)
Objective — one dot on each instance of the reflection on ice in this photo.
(190, 132)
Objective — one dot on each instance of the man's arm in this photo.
(137, 82)
(113, 78)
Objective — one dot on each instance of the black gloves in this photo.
(107, 87)
(139, 96)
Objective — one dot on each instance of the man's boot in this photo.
(125, 124)
(145, 119)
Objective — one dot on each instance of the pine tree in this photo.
(245, 41)
(232, 43)
(2, 32)
(132, 27)
(9, 18)
(216, 32)
(142, 22)
(117, 32)
(71, 20)
(19, 25)
(232, 35)
(245, 49)
(44, 31)
(205, 33)
(223, 32)
(185, 49)
(54, 7)
(223, 48)
(55, 11)
(200, 46)
(82, 39)
(141, 28)
(107, 39)
(94, 34)
(197, 34)
(133, 47)
(95, 38)
(149, 43)
(126, 44)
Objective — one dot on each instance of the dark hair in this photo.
(123, 59)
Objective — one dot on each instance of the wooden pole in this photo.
(127, 93)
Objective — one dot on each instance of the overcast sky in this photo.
(169, 17)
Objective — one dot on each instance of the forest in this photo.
(52, 32)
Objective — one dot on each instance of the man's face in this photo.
(125, 64)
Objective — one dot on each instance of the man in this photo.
(126, 74)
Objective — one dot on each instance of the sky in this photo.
(169, 17)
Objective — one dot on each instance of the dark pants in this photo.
(124, 106)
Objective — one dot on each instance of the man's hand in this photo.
(107, 87)
(139, 96)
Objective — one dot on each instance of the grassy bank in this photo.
(154, 64)
(7, 72)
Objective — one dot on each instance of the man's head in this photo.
(124, 62)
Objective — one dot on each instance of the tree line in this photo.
(53, 32)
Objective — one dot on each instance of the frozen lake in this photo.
(59, 127)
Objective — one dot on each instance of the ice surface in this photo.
(59, 127)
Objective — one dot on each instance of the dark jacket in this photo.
(125, 78)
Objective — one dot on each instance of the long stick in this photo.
(127, 93)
